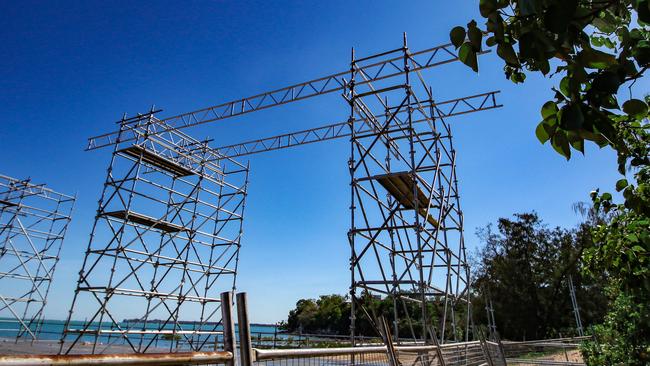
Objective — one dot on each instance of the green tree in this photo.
(523, 268)
(594, 48)
(330, 314)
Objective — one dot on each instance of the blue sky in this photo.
(69, 70)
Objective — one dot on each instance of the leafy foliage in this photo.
(523, 269)
(596, 47)
(622, 338)
(592, 45)
(330, 314)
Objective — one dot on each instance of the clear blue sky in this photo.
(68, 70)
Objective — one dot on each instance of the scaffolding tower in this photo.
(33, 223)
(164, 245)
(406, 234)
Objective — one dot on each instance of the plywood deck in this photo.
(400, 186)
(156, 160)
(146, 221)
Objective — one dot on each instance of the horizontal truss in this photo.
(449, 108)
(370, 72)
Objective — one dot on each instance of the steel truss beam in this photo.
(448, 108)
(371, 72)
(164, 245)
(33, 223)
(406, 234)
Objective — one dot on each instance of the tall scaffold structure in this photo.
(406, 228)
(164, 245)
(33, 223)
(400, 141)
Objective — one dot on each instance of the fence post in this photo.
(228, 326)
(246, 356)
(275, 335)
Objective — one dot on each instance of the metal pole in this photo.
(228, 325)
(576, 309)
(246, 355)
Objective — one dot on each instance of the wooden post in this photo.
(228, 326)
(246, 355)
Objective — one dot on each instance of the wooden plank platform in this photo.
(146, 221)
(400, 186)
(156, 160)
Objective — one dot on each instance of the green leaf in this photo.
(606, 82)
(635, 108)
(467, 55)
(541, 133)
(527, 7)
(549, 109)
(609, 44)
(518, 77)
(606, 196)
(560, 143)
(487, 7)
(621, 184)
(595, 59)
(576, 141)
(564, 86)
(457, 36)
(605, 25)
(597, 41)
(559, 15)
(643, 10)
(572, 117)
(579, 145)
(507, 53)
(642, 53)
(475, 37)
(543, 65)
(528, 46)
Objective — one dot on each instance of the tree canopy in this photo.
(523, 270)
(598, 51)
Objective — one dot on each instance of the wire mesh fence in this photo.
(453, 354)
(561, 351)
(363, 359)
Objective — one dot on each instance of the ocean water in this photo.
(53, 330)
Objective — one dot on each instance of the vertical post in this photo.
(246, 356)
(352, 233)
(576, 309)
(228, 325)
(275, 335)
